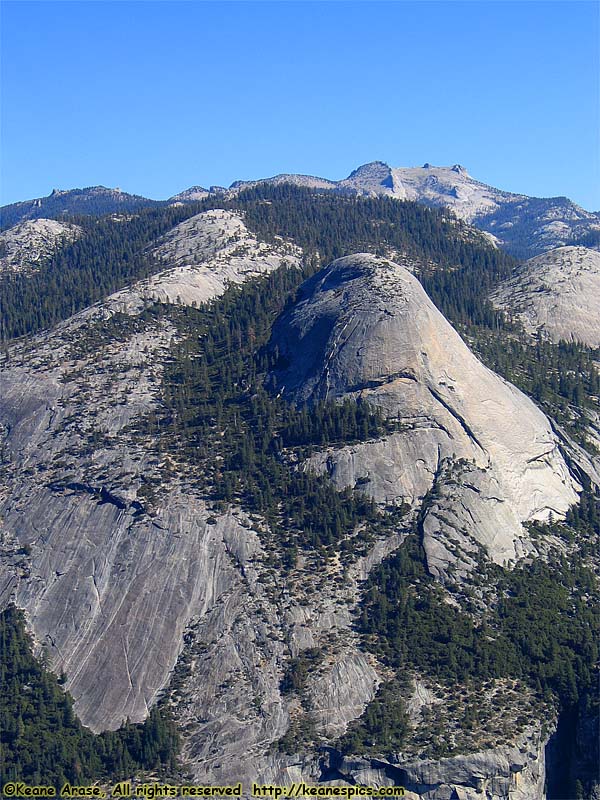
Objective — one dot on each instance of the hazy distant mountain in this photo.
(94, 200)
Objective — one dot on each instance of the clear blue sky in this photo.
(156, 96)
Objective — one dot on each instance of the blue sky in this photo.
(156, 96)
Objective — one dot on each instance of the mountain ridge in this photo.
(93, 200)
(524, 225)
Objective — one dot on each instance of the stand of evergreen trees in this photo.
(542, 629)
(110, 254)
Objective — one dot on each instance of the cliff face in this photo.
(365, 328)
(505, 773)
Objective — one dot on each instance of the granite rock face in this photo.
(364, 327)
(111, 581)
(514, 772)
(202, 257)
(26, 245)
(556, 294)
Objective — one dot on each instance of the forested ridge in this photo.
(540, 626)
(93, 201)
(111, 254)
(112, 251)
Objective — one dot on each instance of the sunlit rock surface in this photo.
(556, 294)
(364, 327)
(25, 246)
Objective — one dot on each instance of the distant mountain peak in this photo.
(371, 169)
(190, 195)
(369, 166)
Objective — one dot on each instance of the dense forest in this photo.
(43, 742)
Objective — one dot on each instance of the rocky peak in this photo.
(370, 178)
(364, 327)
(190, 195)
(371, 169)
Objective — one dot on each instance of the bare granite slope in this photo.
(364, 327)
(26, 245)
(107, 586)
(557, 294)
